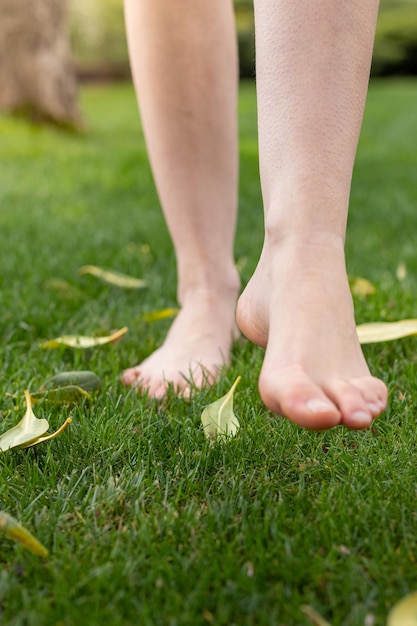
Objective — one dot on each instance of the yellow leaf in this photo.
(315, 617)
(113, 278)
(404, 613)
(218, 418)
(13, 530)
(160, 315)
(27, 430)
(375, 332)
(81, 341)
(241, 263)
(361, 286)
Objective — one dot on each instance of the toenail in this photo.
(374, 407)
(361, 418)
(317, 405)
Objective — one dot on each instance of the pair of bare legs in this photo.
(313, 61)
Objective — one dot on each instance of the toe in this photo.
(374, 392)
(292, 394)
(352, 402)
(130, 377)
(158, 391)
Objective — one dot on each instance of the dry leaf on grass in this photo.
(69, 387)
(218, 418)
(315, 617)
(29, 431)
(14, 530)
(64, 289)
(404, 613)
(374, 332)
(83, 342)
(361, 287)
(114, 278)
(69, 394)
(401, 272)
(160, 315)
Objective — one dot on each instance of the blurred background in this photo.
(98, 38)
(47, 47)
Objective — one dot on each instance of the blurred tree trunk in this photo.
(36, 73)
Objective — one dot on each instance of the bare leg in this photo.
(313, 63)
(184, 62)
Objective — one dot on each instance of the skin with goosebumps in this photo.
(313, 63)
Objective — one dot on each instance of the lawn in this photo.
(146, 522)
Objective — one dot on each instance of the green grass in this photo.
(146, 523)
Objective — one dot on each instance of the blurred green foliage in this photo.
(98, 37)
(245, 36)
(395, 49)
(99, 42)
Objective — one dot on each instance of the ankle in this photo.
(302, 237)
(222, 288)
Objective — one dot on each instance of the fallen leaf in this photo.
(81, 341)
(70, 394)
(64, 289)
(29, 431)
(404, 613)
(401, 272)
(145, 249)
(113, 278)
(241, 263)
(69, 387)
(361, 287)
(51, 436)
(14, 530)
(218, 418)
(84, 379)
(375, 332)
(315, 617)
(160, 315)
(370, 619)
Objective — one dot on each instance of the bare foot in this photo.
(197, 345)
(298, 305)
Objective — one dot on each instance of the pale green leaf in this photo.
(69, 387)
(241, 263)
(30, 431)
(27, 430)
(375, 332)
(218, 418)
(160, 315)
(404, 613)
(82, 341)
(113, 278)
(48, 437)
(70, 394)
(64, 289)
(14, 530)
(315, 617)
(86, 379)
(401, 272)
